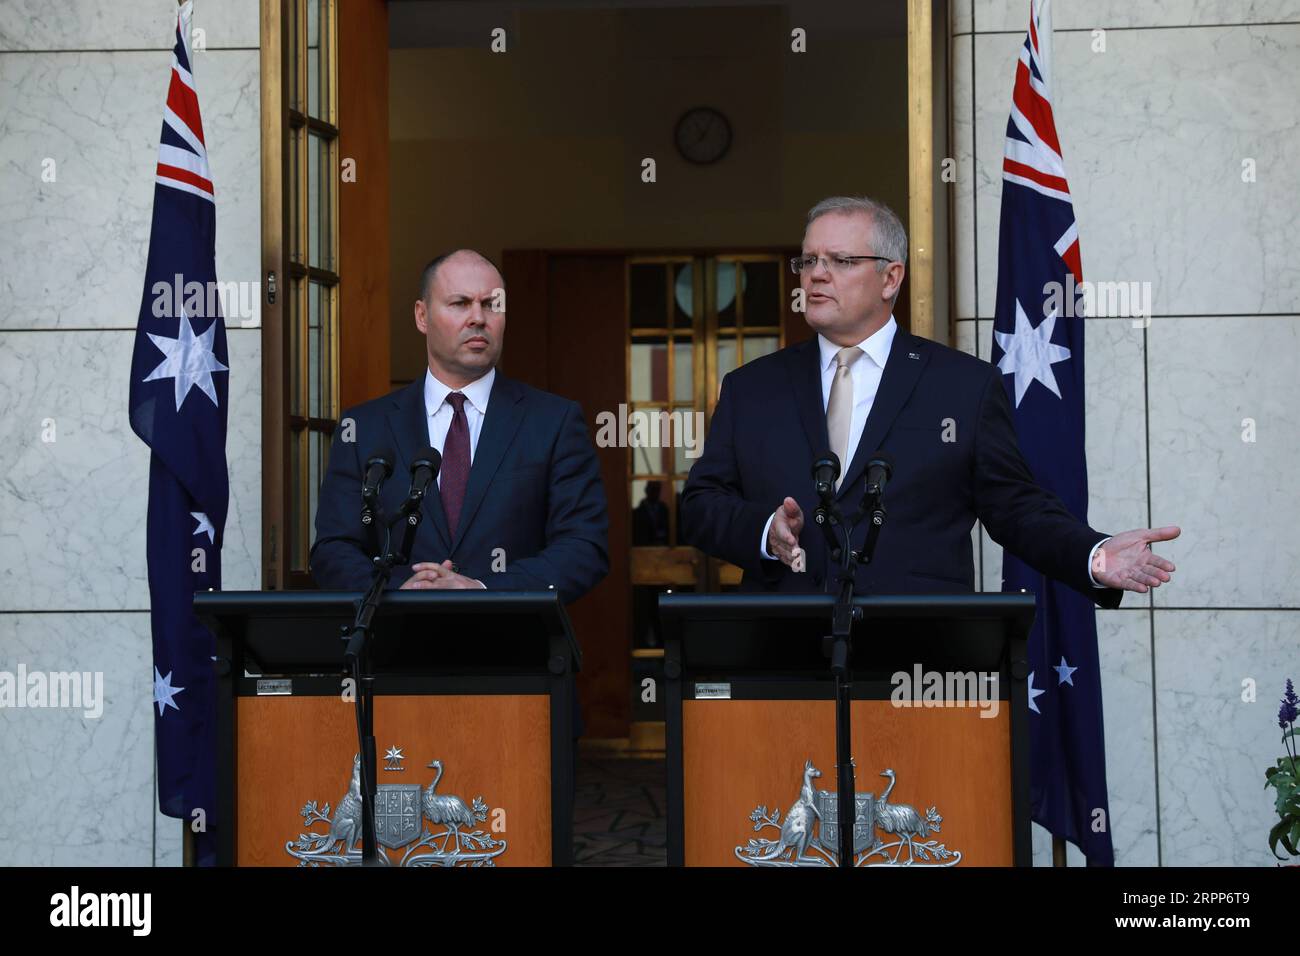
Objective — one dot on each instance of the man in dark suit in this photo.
(863, 385)
(518, 503)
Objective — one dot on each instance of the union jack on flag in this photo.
(179, 387)
(1038, 345)
(182, 153)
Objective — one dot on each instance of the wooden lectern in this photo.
(940, 733)
(473, 720)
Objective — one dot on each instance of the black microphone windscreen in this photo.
(383, 458)
(428, 458)
(827, 460)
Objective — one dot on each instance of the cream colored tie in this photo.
(839, 410)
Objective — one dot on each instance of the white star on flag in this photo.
(1064, 672)
(163, 691)
(1029, 353)
(205, 525)
(189, 360)
(1034, 694)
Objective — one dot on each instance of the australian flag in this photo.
(1038, 345)
(179, 386)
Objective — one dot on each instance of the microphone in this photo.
(825, 472)
(378, 468)
(879, 470)
(424, 469)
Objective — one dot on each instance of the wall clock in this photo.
(703, 135)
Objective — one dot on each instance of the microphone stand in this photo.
(357, 659)
(832, 523)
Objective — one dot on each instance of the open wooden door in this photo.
(324, 71)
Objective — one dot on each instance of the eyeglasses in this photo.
(834, 263)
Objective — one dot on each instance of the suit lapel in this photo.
(803, 365)
(409, 422)
(907, 359)
(504, 414)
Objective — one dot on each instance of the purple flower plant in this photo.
(1288, 712)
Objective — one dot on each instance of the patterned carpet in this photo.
(618, 817)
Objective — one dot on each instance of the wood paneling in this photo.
(586, 326)
(793, 324)
(738, 754)
(274, 338)
(524, 356)
(920, 170)
(364, 315)
(662, 565)
(294, 749)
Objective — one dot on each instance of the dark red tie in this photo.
(455, 462)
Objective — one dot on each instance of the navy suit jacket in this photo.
(769, 426)
(534, 492)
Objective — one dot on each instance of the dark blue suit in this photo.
(534, 492)
(770, 425)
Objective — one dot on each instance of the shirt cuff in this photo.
(1092, 554)
(762, 544)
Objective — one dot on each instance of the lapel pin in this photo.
(914, 355)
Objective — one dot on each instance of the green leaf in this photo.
(1280, 804)
(1279, 833)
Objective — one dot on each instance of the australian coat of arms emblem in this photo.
(809, 833)
(433, 829)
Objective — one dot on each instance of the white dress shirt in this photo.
(439, 413)
(439, 410)
(865, 374)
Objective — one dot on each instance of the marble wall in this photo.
(1158, 115)
(84, 84)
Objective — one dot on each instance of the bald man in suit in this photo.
(518, 503)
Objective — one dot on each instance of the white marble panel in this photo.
(959, 16)
(964, 336)
(1155, 132)
(1235, 499)
(1215, 745)
(123, 24)
(74, 249)
(72, 510)
(1113, 14)
(1124, 646)
(167, 841)
(77, 790)
(963, 190)
(994, 75)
